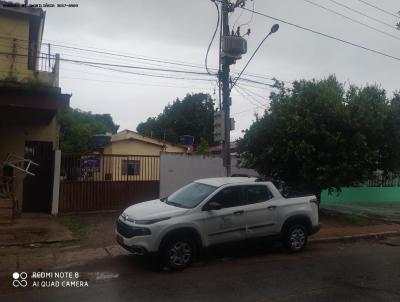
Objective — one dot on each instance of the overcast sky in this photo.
(180, 30)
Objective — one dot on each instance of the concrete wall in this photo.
(363, 195)
(131, 147)
(19, 28)
(177, 170)
(13, 137)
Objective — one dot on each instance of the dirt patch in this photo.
(92, 229)
(338, 225)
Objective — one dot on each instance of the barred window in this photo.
(130, 167)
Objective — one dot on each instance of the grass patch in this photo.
(347, 219)
(76, 227)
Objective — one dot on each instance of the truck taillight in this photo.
(315, 200)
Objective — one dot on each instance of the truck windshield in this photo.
(190, 195)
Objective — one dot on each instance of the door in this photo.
(227, 223)
(261, 211)
(37, 190)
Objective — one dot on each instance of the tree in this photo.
(202, 147)
(77, 128)
(191, 116)
(318, 136)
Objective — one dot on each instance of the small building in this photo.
(131, 156)
(30, 98)
(133, 143)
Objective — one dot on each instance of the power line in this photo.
(212, 40)
(353, 20)
(147, 74)
(171, 62)
(251, 97)
(133, 83)
(252, 15)
(326, 35)
(244, 90)
(126, 56)
(380, 9)
(363, 14)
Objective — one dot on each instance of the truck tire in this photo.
(295, 237)
(178, 252)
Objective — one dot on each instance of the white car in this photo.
(213, 211)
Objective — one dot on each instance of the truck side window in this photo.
(256, 194)
(229, 197)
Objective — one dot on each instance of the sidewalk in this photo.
(33, 229)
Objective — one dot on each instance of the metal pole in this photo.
(226, 99)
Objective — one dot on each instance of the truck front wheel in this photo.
(178, 252)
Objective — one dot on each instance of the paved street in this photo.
(358, 271)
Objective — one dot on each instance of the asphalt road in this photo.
(359, 271)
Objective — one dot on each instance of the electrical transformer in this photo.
(234, 47)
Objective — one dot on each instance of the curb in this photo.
(379, 235)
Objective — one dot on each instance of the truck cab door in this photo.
(261, 211)
(227, 223)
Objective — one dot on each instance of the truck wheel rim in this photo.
(180, 253)
(297, 238)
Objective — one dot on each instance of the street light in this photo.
(273, 30)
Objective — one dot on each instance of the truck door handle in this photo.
(271, 208)
(238, 212)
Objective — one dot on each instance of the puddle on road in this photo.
(101, 276)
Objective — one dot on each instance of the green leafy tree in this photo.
(202, 147)
(77, 128)
(318, 136)
(191, 116)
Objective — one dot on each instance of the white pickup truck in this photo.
(213, 211)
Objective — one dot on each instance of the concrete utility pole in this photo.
(224, 81)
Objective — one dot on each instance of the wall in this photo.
(13, 137)
(363, 195)
(17, 27)
(177, 170)
(131, 147)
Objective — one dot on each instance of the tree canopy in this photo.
(77, 128)
(191, 116)
(319, 135)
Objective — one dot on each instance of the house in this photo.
(30, 98)
(130, 156)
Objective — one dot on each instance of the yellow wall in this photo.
(14, 27)
(13, 138)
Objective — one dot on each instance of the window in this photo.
(130, 167)
(256, 194)
(229, 197)
(190, 195)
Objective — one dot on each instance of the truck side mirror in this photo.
(213, 205)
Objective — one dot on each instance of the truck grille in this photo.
(128, 231)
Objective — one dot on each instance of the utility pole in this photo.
(226, 92)
(232, 47)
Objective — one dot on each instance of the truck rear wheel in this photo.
(295, 238)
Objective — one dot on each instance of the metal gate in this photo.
(38, 189)
(98, 182)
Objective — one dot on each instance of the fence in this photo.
(390, 180)
(94, 182)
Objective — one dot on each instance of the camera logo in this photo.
(20, 279)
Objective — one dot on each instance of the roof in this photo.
(127, 135)
(218, 149)
(220, 181)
